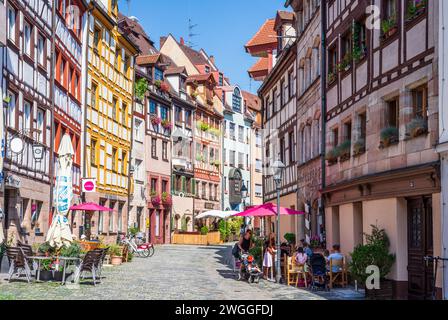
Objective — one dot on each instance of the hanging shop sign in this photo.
(88, 185)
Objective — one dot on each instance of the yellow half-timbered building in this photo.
(109, 106)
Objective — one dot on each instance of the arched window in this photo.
(236, 100)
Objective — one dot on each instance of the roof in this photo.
(285, 15)
(135, 32)
(252, 101)
(147, 59)
(195, 57)
(261, 65)
(265, 35)
(175, 70)
(200, 77)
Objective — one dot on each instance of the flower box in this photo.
(155, 201)
(417, 127)
(388, 137)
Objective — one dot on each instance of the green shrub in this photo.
(374, 252)
(115, 250)
(73, 251)
(46, 249)
(290, 237)
(204, 230)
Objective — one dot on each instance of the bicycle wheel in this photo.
(151, 251)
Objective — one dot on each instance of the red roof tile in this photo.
(261, 65)
(252, 101)
(147, 59)
(265, 35)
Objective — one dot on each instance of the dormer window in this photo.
(182, 84)
(221, 80)
(207, 69)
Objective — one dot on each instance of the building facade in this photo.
(382, 124)
(27, 100)
(277, 67)
(309, 119)
(108, 123)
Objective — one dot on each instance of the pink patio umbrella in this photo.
(89, 207)
(267, 210)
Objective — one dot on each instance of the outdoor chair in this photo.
(294, 271)
(17, 263)
(27, 251)
(338, 277)
(318, 272)
(99, 266)
(90, 263)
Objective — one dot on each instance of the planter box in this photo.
(46, 275)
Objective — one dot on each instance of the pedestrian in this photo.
(268, 257)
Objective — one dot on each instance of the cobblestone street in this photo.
(174, 272)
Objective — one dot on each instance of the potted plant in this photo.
(45, 249)
(417, 127)
(7, 99)
(359, 147)
(155, 120)
(389, 27)
(166, 124)
(415, 9)
(345, 64)
(194, 95)
(158, 84)
(204, 126)
(332, 156)
(116, 254)
(45, 270)
(331, 77)
(291, 238)
(374, 252)
(141, 86)
(216, 163)
(164, 87)
(166, 199)
(155, 199)
(388, 137)
(345, 150)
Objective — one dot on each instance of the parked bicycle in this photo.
(143, 250)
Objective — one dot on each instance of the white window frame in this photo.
(27, 34)
(12, 25)
(11, 119)
(27, 115)
(40, 50)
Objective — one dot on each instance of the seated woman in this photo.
(336, 256)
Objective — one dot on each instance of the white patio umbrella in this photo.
(59, 234)
(216, 214)
(2, 236)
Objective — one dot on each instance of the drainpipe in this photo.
(52, 81)
(323, 86)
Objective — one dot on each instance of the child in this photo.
(268, 257)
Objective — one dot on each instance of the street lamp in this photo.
(277, 173)
(243, 200)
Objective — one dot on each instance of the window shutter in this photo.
(193, 186)
(184, 187)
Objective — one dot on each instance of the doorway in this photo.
(420, 244)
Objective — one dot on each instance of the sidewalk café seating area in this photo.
(23, 261)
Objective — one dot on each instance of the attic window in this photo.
(207, 69)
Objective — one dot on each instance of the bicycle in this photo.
(144, 250)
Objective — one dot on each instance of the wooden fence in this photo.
(197, 239)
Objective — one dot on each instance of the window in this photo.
(177, 114)
(258, 138)
(41, 50)
(124, 111)
(152, 107)
(362, 118)
(117, 57)
(154, 148)
(282, 93)
(153, 185)
(267, 108)
(420, 102)
(40, 124)
(221, 80)
(204, 190)
(164, 113)
(207, 69)
(69, 79)
(240, 160)
(389, 9)
(282, 150)
(114, 159)
(111, 218)
(138, 130)
(120, 216)
(124, 163)
(158, 74)
(346, 48)
(291, 84)
(210, 191)
(126, 65)
(274, 101)
(178, 183)
(62, 71)
(164, 186)
(393, 115)
(165, 150)
(27, 109)
(138, 169)
(335, 137)
(188, 118)
(291, 147)
(27, 36)
(114, 108)
(360, 36)
(93, 95)
(76, 92)
(232, 158)
(11, 117)
(241, 134)
(258, 190)
(216, 192)
(12, 24)
(232, 131)
(348, 131)
(332, 60)
(258, 165)
(114, 5)
(96, 38)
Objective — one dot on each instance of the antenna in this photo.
(191, 34)
(128, 4)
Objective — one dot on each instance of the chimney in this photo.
(182, 41)
(212, 59)
(162, 41)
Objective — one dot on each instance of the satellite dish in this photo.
(16, 145)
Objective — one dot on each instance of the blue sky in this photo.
(223, 27)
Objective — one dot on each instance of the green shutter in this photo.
(193, 186)
(173, 183)
(184, 186)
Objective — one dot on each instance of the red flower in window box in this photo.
(164, 87)
(166, 199)
(155, 120)
(155, 201)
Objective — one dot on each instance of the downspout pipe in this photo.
(323, 87)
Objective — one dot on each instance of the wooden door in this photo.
(420, 244)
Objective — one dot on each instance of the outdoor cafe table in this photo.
(64, 260)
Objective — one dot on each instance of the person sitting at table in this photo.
(336, 255)
(301, 257)
(307, 249)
